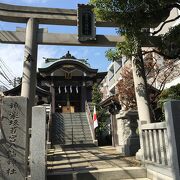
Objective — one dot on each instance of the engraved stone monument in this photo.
(13, 145)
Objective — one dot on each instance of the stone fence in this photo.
(160, 144)
(155, 143)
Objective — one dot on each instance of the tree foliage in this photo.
(168, 94)
(101, 112)
(133, 18)
(125, 88)
(133, 15)
(170, 44)
(124, 48)
(171, 93)
(96, 95)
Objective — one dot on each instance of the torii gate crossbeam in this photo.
(56, 16)
(45, 38)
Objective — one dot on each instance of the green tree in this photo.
(96, 96)
(134, 18)
(171, 93)
(102, 114)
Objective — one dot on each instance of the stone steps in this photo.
(78, 142)
(137, 179)
(74, 123)
(67, 136)
(125, 173)
(83, 137)
(72, 127)
(78, 136)
(76, 128)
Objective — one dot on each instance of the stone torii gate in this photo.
(33, 36)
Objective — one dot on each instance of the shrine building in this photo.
(65, 83)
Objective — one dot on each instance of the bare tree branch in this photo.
(160, 53)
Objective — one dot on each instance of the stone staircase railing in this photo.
(90, 120)
(48, 123)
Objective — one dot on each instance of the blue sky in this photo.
(12, 55)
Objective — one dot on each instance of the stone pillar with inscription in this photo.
(14, 143)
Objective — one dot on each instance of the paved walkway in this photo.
(86, 158)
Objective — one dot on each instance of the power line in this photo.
(7, 68)
(8, 87)
(4, 74)
(5, 71)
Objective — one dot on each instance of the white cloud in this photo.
(13, 55)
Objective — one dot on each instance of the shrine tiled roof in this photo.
(52, 64)
(67, 56)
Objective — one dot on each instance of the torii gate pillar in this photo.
(140, 85)
(28, 88)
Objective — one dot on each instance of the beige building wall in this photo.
(174, 13)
